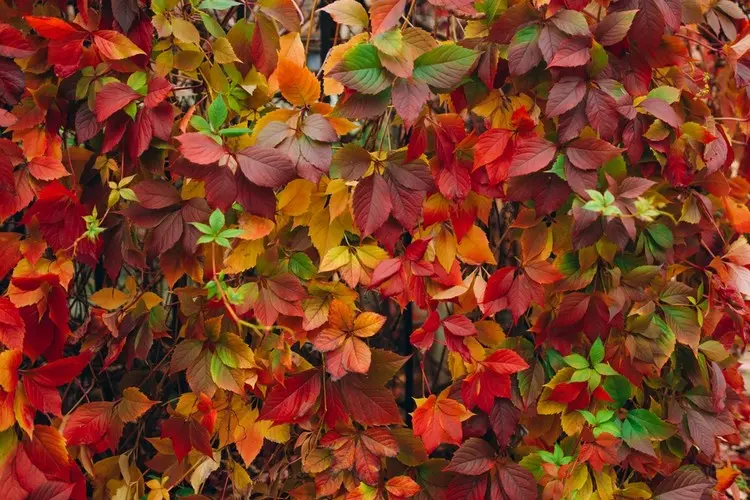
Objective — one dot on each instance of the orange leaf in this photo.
(114, 45)
(298, 84)
(437, 419)
(132, 405)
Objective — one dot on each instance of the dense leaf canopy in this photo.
(481, 249)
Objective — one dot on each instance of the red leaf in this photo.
(266, 167)
(112, 98)
(591, 153)
(368, 404)
(186, 435)
(52, 28)
(505, 362)
(531, 155)
(294, 400)
(155, 194)
(200, 148)
(12, 43)
(384, 14)
(409, 97)
(89, 423)
(45, 168)
(490, 146)
(140, 133)
(565, 95)
(371, 203)
(517, 482)
(663, 111)
(59, 214)
(459, 325)
(12, 327)
(572, 52)
(474, 457)
(158, 89)
(614, 27)
(504, 419)
(61, 371)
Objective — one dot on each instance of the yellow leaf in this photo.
(368, 324)
(474, 248)
(151, 300)
(445, 248)
(371, 255)
(243, 256)
(325, 233)
(223, 52)
(489, 333)
(108, 298)
(297, 84)
(334, 259)
(294, 199)
(185, 31)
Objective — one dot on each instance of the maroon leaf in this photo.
(591, 153)
(371, 203)
(565, 95)
(663, 111)
(517, 483)
(156, 194)
(572, 53)
(112, 98)
(265, 167)
(200, 148)
(686, 483)
(531, 155)
(474, 457)
(614, 27)
(409, 97)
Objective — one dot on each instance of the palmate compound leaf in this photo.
(437, 419)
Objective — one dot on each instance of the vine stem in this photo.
(310, 27)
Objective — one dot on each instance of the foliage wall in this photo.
(490, 249)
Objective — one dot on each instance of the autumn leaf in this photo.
(437, 420)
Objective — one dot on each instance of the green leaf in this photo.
(576, 361)
(390, 42)
(619, 389)
(217, 112)
(661, 235)
(444, 66)
(582, 375)
(641, 422)
(199, 123)
(605, 369)
(301, 266)
(203, 228)
(360, 70)
(588, 416)
(218, 4)
(138, 81)
(216, 221)
(235, 131)
(596, 354)
(666, 93)
(231, 233)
